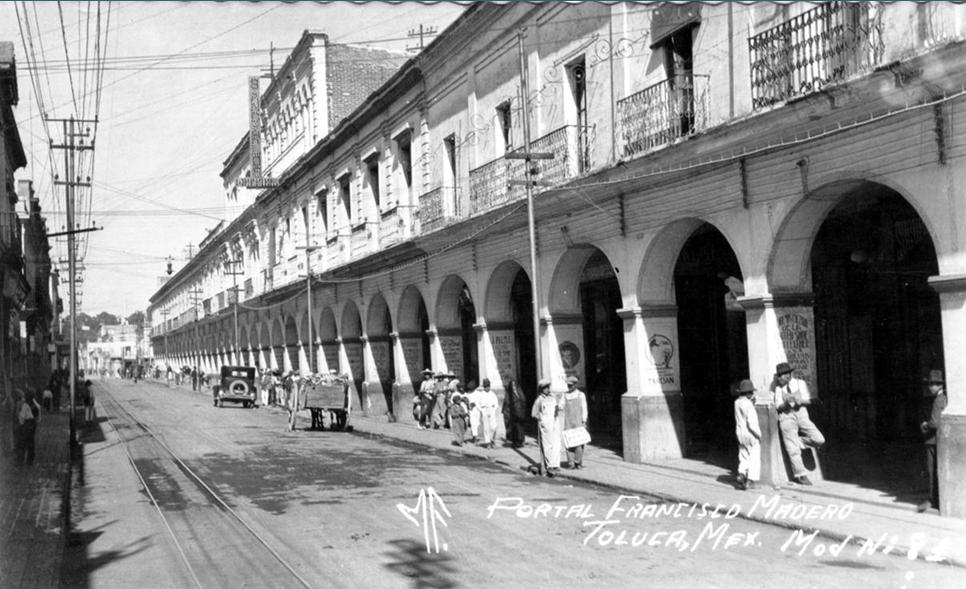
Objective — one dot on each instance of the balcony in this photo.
(826, 45)
(490, 183)
(663, 113)
(435, 208)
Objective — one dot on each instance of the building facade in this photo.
(29, 303)
(732, 186)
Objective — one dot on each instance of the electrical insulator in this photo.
(170, 271)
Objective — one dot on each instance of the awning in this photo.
(668, 19)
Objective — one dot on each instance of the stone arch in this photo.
(409, 309)
(789, 263)
(496, 306)
(351, 324)
(656, 279)
(328, 329)
(564, 292)
(447, 303)
(378, 318)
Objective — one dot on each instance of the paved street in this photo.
(323, 509)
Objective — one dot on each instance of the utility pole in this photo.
(528, 185)
(70, 147)
(308, 293)
(231, 270)
(423, 31)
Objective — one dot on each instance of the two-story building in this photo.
(732, 186)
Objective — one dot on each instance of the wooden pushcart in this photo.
(327, 398)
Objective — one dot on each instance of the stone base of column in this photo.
(775, 468)
(402, 402)
(374, 401)
(653, 427)
(952, 467)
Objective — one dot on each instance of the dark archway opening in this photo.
(603, 331)
(878, 331)
(713, 341)
(521, 309)
(467, 318)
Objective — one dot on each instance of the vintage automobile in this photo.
(237, 385)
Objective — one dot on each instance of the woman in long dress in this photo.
(545, 411)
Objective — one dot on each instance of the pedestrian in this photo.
(89, 415)
(423, 400)
(936, 387)
(488, 405)
(28, 414)
(440, 392)
(749, 436)
(194, 378)
(48, 399)
(797, 430)
(514, 411)
(459, 412)
(575, 423)
(545, 410)
(169, 374)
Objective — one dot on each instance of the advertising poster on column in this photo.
(570, 350)
(796, 329)
(452, 346)
(504, 352)
(662, 356)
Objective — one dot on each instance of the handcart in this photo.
(327, 398)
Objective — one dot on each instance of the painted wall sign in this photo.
(505, 352)
(452, 346)
(796, 328)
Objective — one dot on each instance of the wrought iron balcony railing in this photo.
(824, 45)
(437, 207)
(663, 113)
(490, 183)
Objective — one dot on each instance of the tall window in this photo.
(345, 198)
(577, 76)
(679, 65)
(504, 119)
(404, 156)
(322, 209)
(372, 175)
(449, 174)
(272, 252)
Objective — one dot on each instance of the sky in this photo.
(172, 104)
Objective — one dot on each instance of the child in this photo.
(458, 416)
(749, 436)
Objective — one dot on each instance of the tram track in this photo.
(215, 543)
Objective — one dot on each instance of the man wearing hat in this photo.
(936, 385)
(798, 431)
(545, 411)
(422, 400)
(440, 392)
(749, 436)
